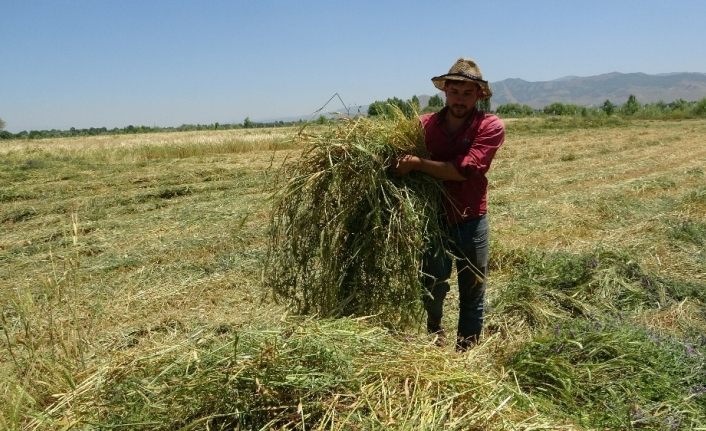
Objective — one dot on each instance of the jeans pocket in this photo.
(480, 237)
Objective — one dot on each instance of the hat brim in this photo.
(440, 81)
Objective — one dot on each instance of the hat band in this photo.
(465, 75)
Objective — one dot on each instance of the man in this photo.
(462, 142)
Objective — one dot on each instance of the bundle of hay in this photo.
(346, 235)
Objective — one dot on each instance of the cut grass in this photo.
(310, 374)
(546, 288)
(615, 376)
(124, 273)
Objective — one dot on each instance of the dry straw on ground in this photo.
(346, 235)
(310, 374)
(130, 280)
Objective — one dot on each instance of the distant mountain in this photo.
(594, 90)
(584, 91)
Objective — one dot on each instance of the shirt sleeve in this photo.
(490, 136)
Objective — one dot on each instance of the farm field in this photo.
(131, 291)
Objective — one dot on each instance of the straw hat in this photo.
(464, 69)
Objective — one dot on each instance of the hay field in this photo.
(130, 286)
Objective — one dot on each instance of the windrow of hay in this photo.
(346, 235)
(607, 343)
(550, 287)
(141, 146)
(615, 375)
(310, 374)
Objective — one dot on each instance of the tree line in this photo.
(96, 131)
(679, 108)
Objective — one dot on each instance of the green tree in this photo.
(378, 108)
(436, 101)
(514, 110)
(2, 124)
(631, 106)
(608, 107)
(483, 105)
(700, 108)
(415, 103)
(403, 105)
(247, 123)
(557, 108)
(679, 105)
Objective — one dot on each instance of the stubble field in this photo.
(130, 286)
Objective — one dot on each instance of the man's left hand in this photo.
(405, 165)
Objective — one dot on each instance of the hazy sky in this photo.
(100, 63)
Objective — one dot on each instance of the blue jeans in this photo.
(467, 244)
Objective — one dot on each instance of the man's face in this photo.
(461, 97)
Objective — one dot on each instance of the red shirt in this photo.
(471, 149)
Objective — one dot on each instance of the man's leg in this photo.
(471, 245)
(436, 266)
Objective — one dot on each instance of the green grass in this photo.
(559, 124)
(546, 288)
(132, 292)
(615, 376)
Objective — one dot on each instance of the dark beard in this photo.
(464, 113)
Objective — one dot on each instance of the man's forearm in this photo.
(442, 170)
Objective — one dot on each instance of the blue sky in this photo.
(95, 63)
